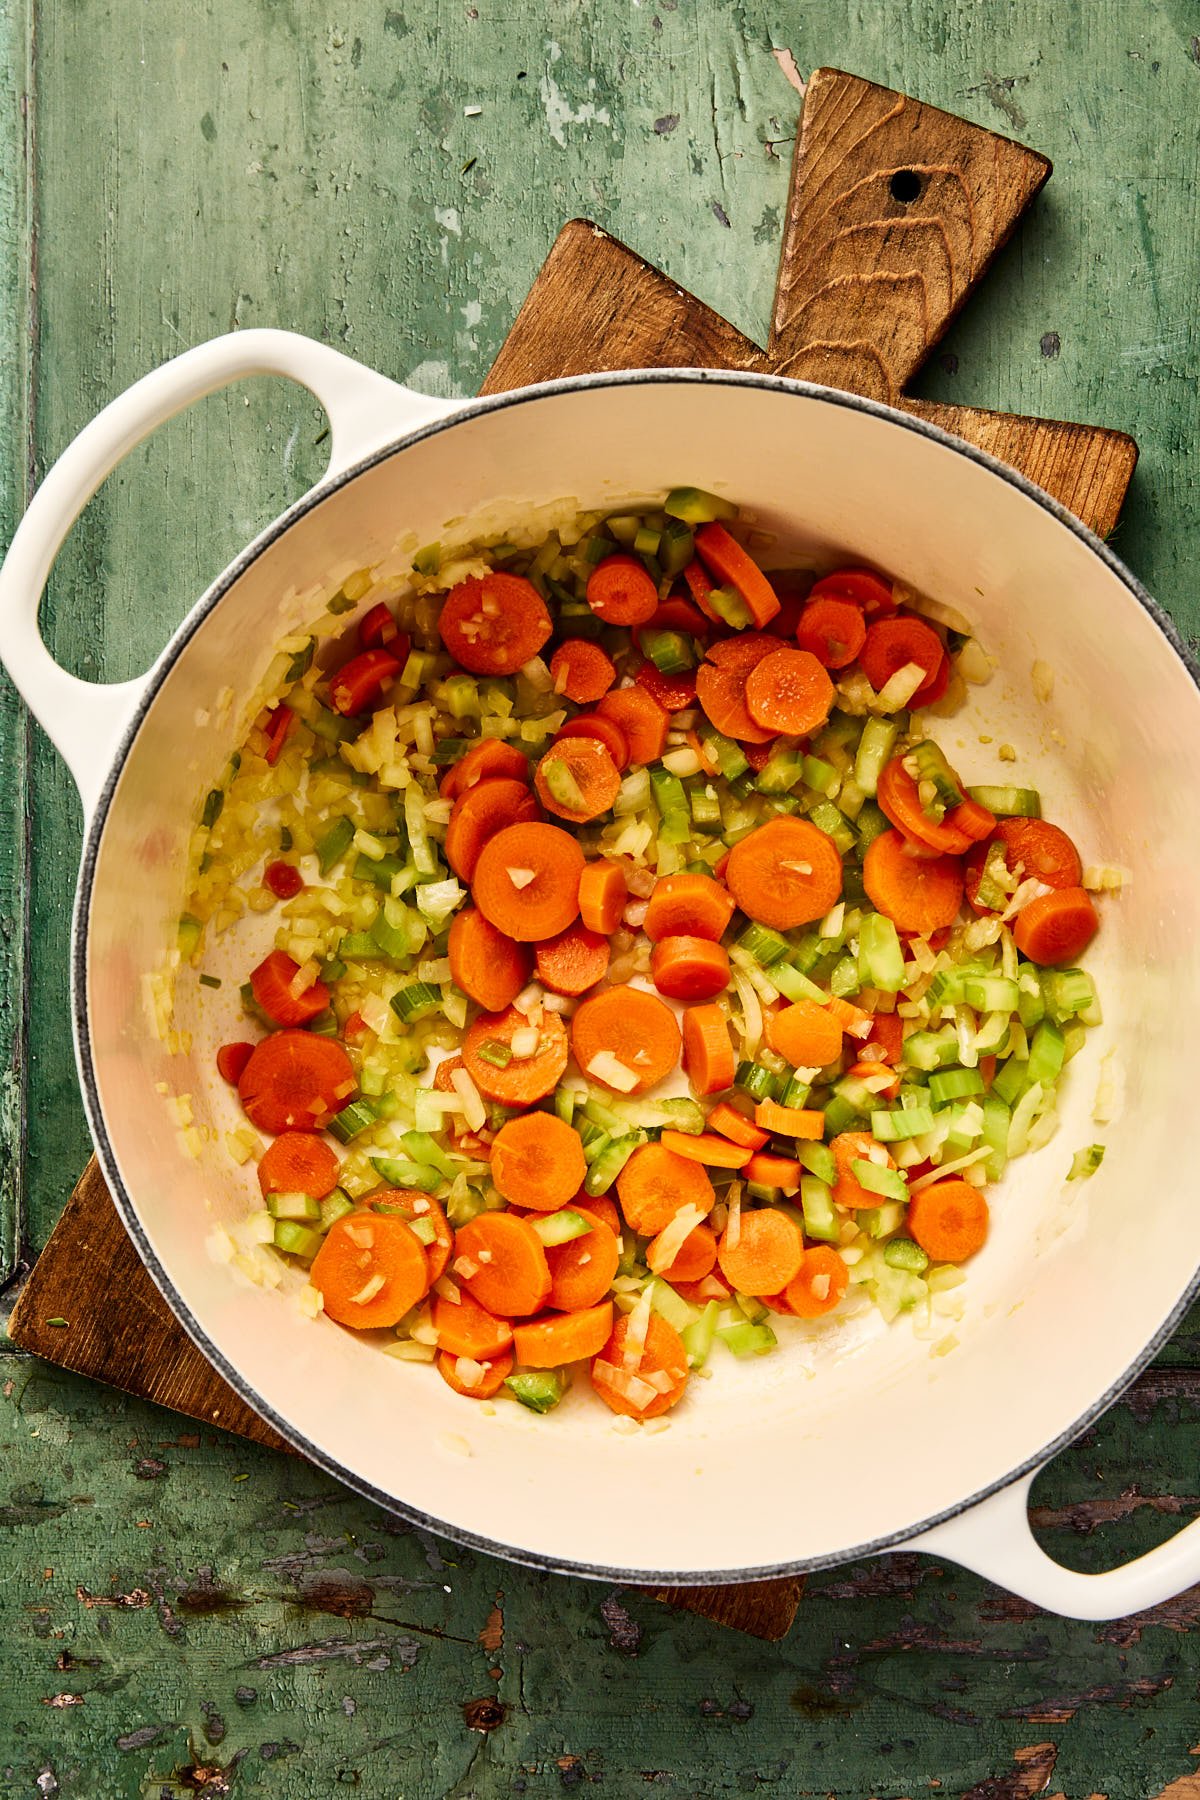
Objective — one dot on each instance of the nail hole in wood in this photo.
(905, 186)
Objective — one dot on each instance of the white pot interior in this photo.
(856, 1432)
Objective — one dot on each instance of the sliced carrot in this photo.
(512, 1277)
(464, 1328)
(1057, 927)
(765, 1254)
(583, 1269)
(819, 1284)
(494, 625)
(621, 591)
(601, 730)
(774, 1171)
(565, 1337)
(278, 727)
(695, 1258)
(885, 1036)
(891, 644)
(378, 630)
(274, 986)
(721, 683)
(491, 759)
(949, 1220)
(689, 968)
(603, 894)
(789, 691)
(524, 1079)
(488, 967)
(708, 1058)
(707, 765)
(674, 693)
(299, 1162)
(806, 1034)
(481, 812)
(599, 1206)
(918, 893)
(640, 719)
(693, 906)
(712, 1286)
(933, 690)
(626, 1389)
(883, 1080)
(899, 800)
(736, 1126)
(706, 1147)
(873, 593)
(574, 961)
(785, 873)
(790, 1121)
(359, 684)
(370, 1270)
(724, 557)
(832, 629)
(973, 820)
(443, 1074)
(294, 1081)
(856, 1146)
(655, 1184)
(674, 614)
(577, 779)
(231, 1060)
(582, 671)
(700, 587)
(526, 881)
(411, 1204)
(853, 1020)
(1032, 848)
(489, 1380)
(634, 1027)
(537, 1162)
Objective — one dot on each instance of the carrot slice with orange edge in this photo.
(790, 1121)
(464, 1328)
(294, 1081)
(785, 873)
(949, 1220)
(625, 1039)
(900, 802)
(489, 760)
(689, 968)
(832, 629)
(789, 691)
(708, 1056)
(806, 1034)
(694, 1259)
(370, 1270)
(526, 881)
(848, 1148)
(577, 779)
(488, 1375)
(603, 893)
(891, 644)
(494, 625)
(1035, 847)
(919, 893)
(633, 1387)
(582, 1270)
(521, 1080)
(766, 1170)
(538, 1162)
(509, 1273)
(1057, 927)
(621, 591)
(574, 961)
(736, 1126)
(706, 1147)
(721, 684)
(567, 1337)
(819, 1284)
(299, 1163)
(273, 984)
(486, 964)
(640, 719)
(481, 812)
(582, 671)
(655, 1183)
(688, 905)
(601, 730)
(410, 1204)
(765, 1253)
(724, 557)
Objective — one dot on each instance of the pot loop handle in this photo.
(86, 720)
(994, 1539)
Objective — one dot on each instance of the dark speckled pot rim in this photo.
(83, 1042)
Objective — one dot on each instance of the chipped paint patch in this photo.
(791, 73)
(558, 109)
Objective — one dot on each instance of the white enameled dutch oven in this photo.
(855, 1437)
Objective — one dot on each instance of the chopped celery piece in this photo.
(679, 1114)
(870, 824)
(996, 1119)
(1008, 802)
(724, 752)
(881, 1221)
(378, 870)
(1067, 992)
(793, 985)
(1046, 1054)
(419, 846)
(698, 1337)
(296, 1239)
(331, 726)
(1031, 1000)
(416, 1001)
(818, 1159)
(538, 1389)
(565, 1100)
(888, 1182)
(927, 1049)
(1085, 1162)
(560, 1227)
(460, 698)
(954, 1084)
(646, 541)
(880, 958)
(797, 1091)
(390, 930)
(611, 1160)
(593, 1138)
(676, 547)
(696, 507)
(188, 935)
(747, 1340)
(428, 560)
(764, 945)
(820, 1215)
(948, 987)
(463, 1206)
(1011, 1080)
(845, 977)
(671, 1306)
(213, 805)
(751, 1308)
(301, 662)
(598, 1112)
(422, 1148)
(991, 993)
(729, 604)
(293, 1206)
(353, 1120)
(493, 1051)
(672, 804)
(624, 527)
(902, 1253)
(706, 810)
(835, 825)
(819, 774)
(398, 1173)
(669, 651)
(358, 946)
(932, 766)
(562, 785)
(333, 846)
(874, 748)
(841, 1115)
(904, 1122)
(756, 1081)
(782, 772)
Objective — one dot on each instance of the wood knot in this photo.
(485, 1714)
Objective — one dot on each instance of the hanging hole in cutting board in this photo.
(905, 186)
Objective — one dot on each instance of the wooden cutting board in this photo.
(895, 212)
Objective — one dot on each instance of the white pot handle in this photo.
(86, 720)
(994, 1539)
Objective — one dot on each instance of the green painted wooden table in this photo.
(181, 1613)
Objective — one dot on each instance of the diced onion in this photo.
(637, 1330)
(671, 1239)
(470, 1372)
(608, 1068)
(363, 1235)
(367, 1291)
(446, 1289)
(521, 878)
(733, 1224)
(524, 1042)
(474, 1111)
